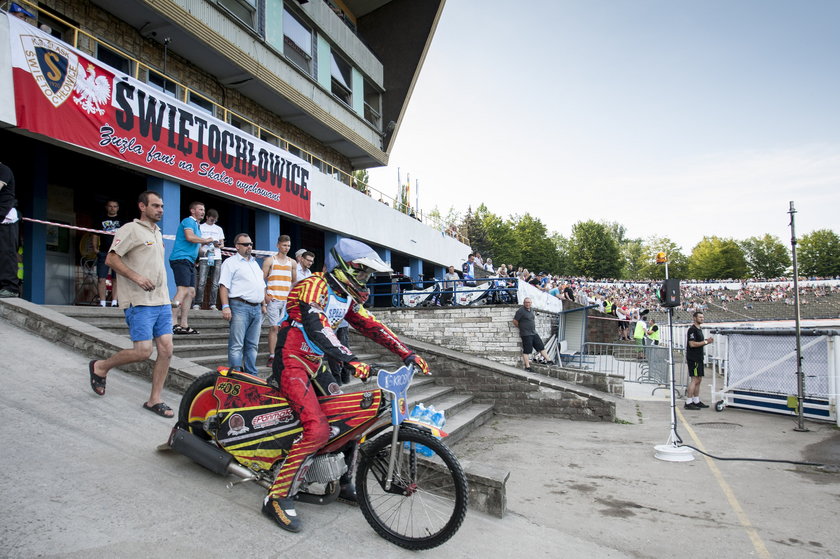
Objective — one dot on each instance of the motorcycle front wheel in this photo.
(427, 500)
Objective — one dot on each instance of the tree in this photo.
(361, 180)
(716, 258)
(593, 251)
(766, 256)
(677, 261)
(633, 257)
(532, 243)
(818, 254)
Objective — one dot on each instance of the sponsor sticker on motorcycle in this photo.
(271, 419)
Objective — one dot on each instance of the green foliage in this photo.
(716, 258)
(532, 243)
(677, 261)
(818, 254)
(593, 251)
(633, 257)
(766, 256)
(361, 180)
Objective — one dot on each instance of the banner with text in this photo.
(64, 94)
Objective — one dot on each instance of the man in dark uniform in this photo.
(694, 357)
(9, 231)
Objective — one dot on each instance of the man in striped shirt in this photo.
(280, 274)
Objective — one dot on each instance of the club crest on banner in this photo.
(53, 67)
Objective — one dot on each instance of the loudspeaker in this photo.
(669, 293)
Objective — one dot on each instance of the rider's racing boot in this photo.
(348, 489)
(282, 511)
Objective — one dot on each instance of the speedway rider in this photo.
(315, 307)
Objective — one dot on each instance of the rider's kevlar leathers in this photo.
(305, 338)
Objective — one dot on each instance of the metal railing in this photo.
(426, 293)
(642, 364)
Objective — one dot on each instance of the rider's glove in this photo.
(358, 370)
(417, 361)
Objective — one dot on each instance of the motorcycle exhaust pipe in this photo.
(211, 457)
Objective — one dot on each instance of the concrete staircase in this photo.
(209, 349)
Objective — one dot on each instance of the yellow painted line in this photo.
(758, 544)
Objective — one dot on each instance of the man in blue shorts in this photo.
(188, 240)
(137, 255)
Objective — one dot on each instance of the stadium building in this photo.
(260, 109)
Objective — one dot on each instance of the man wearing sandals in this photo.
(137, 255)
(182, 261)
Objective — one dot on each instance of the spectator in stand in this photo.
(568, 292)
(479, 260)
(209, 260)
(488, 266)
(305, 260)
(468, 268)
(449, 285)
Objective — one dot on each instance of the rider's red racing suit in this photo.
(305, 338)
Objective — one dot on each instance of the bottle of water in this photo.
(211, 256)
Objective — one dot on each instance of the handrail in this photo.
(322, 165)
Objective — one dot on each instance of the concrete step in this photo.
(466, 421)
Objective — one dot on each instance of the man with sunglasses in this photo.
(242, 294)
(316, 306)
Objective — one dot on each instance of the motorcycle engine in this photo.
(326, 468)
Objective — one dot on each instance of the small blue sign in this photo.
(396, 383)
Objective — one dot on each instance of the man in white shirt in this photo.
(209, 260)
(242, 294)
(305, 259)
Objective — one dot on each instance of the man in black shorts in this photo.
(526, 320)
(694, 357)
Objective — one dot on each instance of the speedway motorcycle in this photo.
(409, 486)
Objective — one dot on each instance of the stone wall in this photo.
(513, 391)
(485, 330)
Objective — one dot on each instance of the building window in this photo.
(244, 10)
(341, 79)
(113, 59)
(297, 42)
(49, 22)
(200, 102)
(241, 124)
(269, 138)
(161, 83)
(296, 151)
(373, 105)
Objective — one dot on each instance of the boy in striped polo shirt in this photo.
(279, 271)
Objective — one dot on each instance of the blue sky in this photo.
(676, 118)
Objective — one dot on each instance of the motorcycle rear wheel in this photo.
(196, 402)
(428, 499)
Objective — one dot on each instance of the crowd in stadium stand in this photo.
(629, 298)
